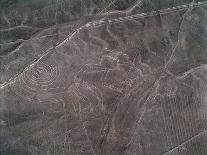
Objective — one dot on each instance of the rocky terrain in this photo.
(103, 77)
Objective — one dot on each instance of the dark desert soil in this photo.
(103, 77)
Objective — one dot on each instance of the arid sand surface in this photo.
(103, 77)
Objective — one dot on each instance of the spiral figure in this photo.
(35, 81)
(41, 75)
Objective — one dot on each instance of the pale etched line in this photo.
(106, 127)
(48, 51)
(138, 4)
(99, 71)
(185, 142)
(126, 11)
(112, 3)
(128, 17)
(81, 96)
(91, 88)
(66, 40)
(103, 43)
(191, 71)
(83, 45)
(6, 19)
(27, 68)
(12, 42)
(28, 40)
(38, 10)
(177, 44)
(133, 64)
(98, 95)
(14, 51)
(199, 79)
(16, 27)
(104, 9)
(165, 126)
(70, 36)
(149, 94)
(154, 13)
(146, 94)
(42, 127)
(51, 6)
(112, 35)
